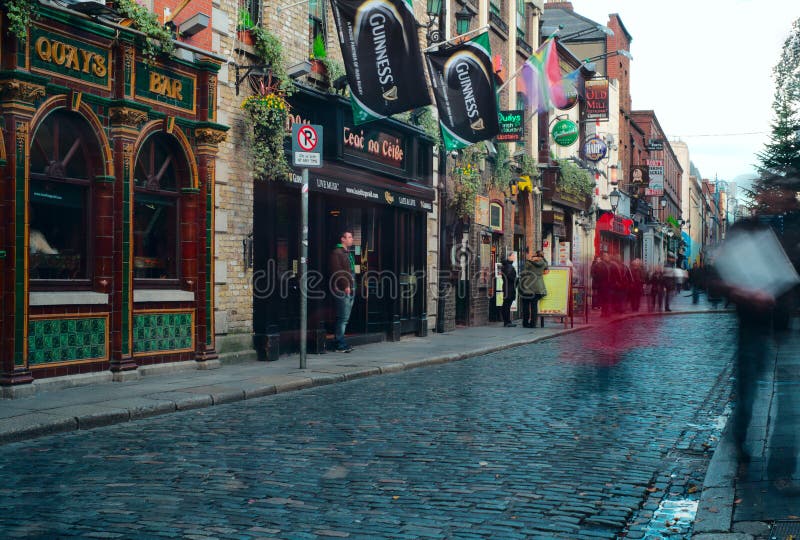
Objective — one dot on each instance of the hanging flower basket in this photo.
(267, 115)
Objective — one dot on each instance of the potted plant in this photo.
(467, 182)
(267, 110)
(243, 33)
(267, 115)
(318, 56)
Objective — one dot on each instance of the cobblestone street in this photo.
(580, 436)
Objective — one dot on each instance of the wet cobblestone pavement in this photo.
(581, 436)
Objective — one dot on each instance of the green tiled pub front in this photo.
(106, 194)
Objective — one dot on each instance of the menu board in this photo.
(558, 282)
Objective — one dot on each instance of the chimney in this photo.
(561, 5)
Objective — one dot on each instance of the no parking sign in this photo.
(307, 145)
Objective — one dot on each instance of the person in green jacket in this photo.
(532, 288)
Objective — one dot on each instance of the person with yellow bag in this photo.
(532, 288)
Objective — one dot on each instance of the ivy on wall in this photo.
(573, 179)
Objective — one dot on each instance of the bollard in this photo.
(422, 329)
(317, 345)
(273, 343)
(394, 328)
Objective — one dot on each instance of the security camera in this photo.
(454, 154)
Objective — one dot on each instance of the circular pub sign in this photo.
(594, 149)
(565, 132)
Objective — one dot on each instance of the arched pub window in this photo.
(160, 171)
(64, 158)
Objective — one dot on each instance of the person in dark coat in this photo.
(343, 287)
(509, 288)
(532, 288)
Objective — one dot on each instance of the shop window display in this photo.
(61, 166)
(155, 209)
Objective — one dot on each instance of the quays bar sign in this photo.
(165, 87)
(66, 57)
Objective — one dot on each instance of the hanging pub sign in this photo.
(596, 99)
(639, 175)
(380, 49)
(565, 132)
(655, 187)
(512, 126)
(463, 85)
(594, 149)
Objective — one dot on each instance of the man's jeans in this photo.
(344, 304)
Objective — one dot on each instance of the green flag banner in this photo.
(463, 85)
(380, 48)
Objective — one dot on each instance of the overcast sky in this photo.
(705, 68)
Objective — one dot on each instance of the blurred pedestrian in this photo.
(696, 281)
(597, 273)
(532, 288)
(669, 283)
(655, 282)
(638, 278)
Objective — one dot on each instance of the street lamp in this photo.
(663, 202)
(589, 62)
(434, 11)
(613, 198)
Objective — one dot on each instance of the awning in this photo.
(615, 224)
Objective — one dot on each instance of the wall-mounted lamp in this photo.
(299, 69)
(613, 198)
(663, 202)
(589, 62)
(434, 11)
(463, 18)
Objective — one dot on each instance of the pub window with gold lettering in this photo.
(64, 157)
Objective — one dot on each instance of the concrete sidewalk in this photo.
(86, 403)
(744, 500)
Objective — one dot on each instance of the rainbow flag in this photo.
(539, 78)
(564, 95)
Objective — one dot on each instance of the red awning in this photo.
(614, 224)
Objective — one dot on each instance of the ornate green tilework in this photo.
(66, 340)
(162, 332)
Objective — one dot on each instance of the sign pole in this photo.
(303, 272)
(306, 152)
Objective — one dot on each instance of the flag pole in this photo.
(465, 34)
(514, 76)
(516, 73)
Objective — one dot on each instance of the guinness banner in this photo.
(463, 84)
(380, 47)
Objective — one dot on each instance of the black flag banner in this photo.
(380, 48)
(463, 85)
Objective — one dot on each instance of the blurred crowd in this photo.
(618, 287)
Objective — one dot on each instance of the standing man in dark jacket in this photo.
(509, 288)
(343, 286)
